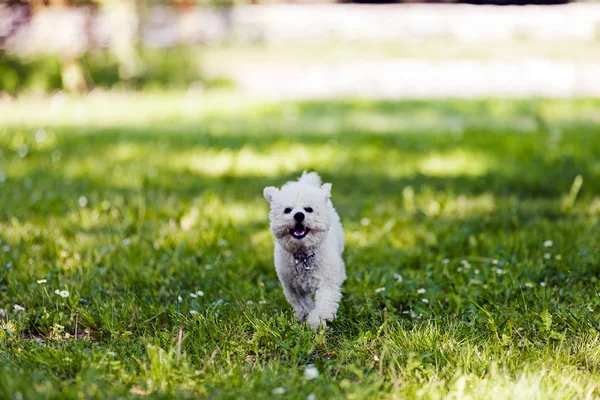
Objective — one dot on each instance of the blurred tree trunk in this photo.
(72, 70)
(128, 29)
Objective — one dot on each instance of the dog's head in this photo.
(300, 214)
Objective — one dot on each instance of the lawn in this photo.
(136, 261)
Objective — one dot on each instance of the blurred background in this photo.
(302, 49)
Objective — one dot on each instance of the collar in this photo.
(304, 260)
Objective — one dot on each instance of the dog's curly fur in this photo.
(309, 242)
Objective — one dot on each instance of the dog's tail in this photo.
(310, 178)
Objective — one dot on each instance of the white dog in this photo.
(309, 242)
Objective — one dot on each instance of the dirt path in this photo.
(398, 79)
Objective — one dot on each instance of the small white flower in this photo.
(249, 302)
(2, 313)
(379, 289)
(558, 257)
(262, 302)
(200, 293)
(222, 242)
(67, 359)
(494, 261)
(311, 372)
(547, 256)
(57, 291)
(179, 299)
(193, 312)
(208, 267)
(485, 286)
(375, 357)
(476, 272)
(41, 281)
(426, 301)
(126, 242)
(445, 261)
(17, 308)
(398, 278)
(311, 396)
(459, 269)
(499, 271)
(23, 150)
(548, 243)
(590, 309)
(365, 222)
(193, 295)
(421, 291)
(63, 293)
(543, 284)
(528, 284)
(279, 390)
(40, 135)
(83, 201)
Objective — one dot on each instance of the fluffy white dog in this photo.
(309, 242)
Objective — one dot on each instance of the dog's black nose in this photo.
(299, 217)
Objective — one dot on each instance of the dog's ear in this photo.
(269, 192)
(326, 188)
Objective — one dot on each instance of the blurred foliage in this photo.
(175, 68)
(39, 74)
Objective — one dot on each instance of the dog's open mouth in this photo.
(299, 231)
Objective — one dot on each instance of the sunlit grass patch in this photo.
(455, 163)
(276, 160)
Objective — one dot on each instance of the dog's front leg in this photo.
(296, 299)
(327, 299)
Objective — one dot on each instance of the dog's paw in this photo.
(317, 320)
(301, 314)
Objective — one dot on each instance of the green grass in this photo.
(130, 201)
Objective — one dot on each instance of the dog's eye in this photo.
(308, 209)
(287, 210)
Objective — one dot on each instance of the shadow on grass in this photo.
(235, 156)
